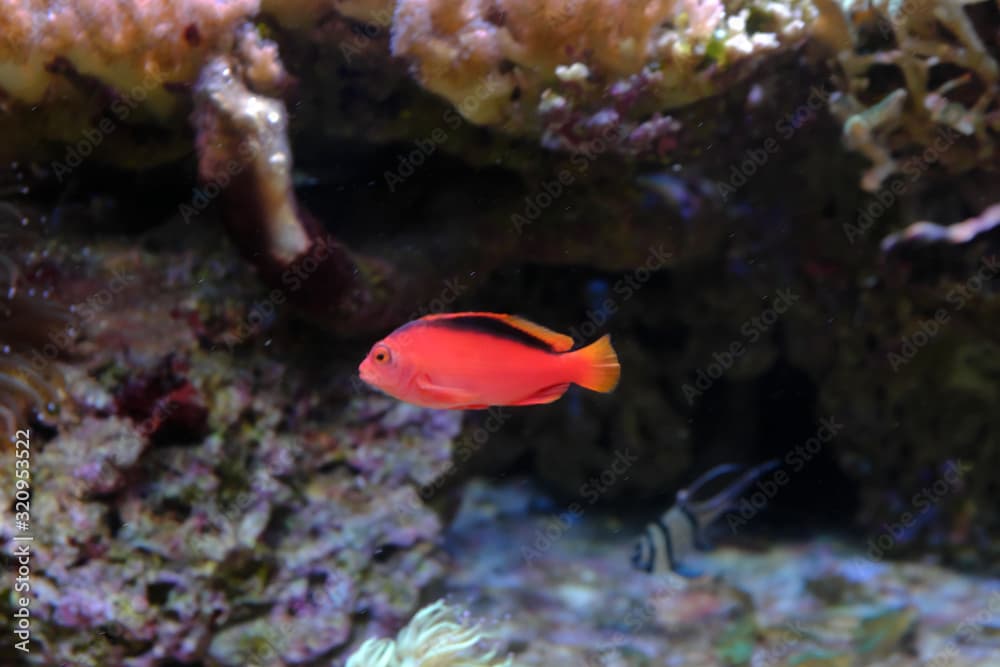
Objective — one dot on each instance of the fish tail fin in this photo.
(601, 369)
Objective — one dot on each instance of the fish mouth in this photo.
(365, 373)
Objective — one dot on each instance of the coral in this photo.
(138, 45)
(122, 74)
(244, 153)
(431, 639)
(463, 47)
(506, 63)
(91, 78)
(919, 85)
(955, 233)
(208, 505)
(140, 50)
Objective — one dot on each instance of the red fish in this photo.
(469, 361)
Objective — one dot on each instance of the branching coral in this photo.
(432, 639)
(942, 102)
(960, 232)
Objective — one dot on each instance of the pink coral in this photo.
(136, 44)
(518, 44)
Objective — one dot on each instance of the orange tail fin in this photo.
(601, 369)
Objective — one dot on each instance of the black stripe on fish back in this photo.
(667, 541)
(490, 326)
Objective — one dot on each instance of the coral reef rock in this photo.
(179, 517)
(513, 62)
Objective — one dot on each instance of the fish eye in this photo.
(382, 355)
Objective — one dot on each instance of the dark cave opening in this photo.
(819, 494)
(772, 416)
(775, 418)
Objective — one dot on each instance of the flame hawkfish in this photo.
(468, 361)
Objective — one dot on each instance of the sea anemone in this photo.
(34, 332)
(29, 381)
(432, 639)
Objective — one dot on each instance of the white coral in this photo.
(432, 639)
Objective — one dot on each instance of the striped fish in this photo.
(670, 539)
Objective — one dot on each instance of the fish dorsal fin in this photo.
(553, 339)
(559, 342)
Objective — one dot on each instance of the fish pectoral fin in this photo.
(454, 398)
(546, 395)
